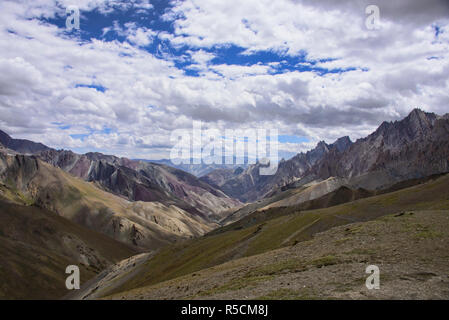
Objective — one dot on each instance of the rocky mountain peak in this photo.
(422, 115)
(21, 145)
(321, 145)
(316, 154)
(416, 113)
(342, 143)
(4, 138)
(417, 123)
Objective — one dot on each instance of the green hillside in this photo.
(264, 231)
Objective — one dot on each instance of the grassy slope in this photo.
(36, 246)
(240, 240)
(410, 249)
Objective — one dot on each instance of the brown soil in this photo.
(410, 248)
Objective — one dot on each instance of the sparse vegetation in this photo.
(236, 284)
(301, 271)
(48, 243)
(293, 265)
(324, 261)
(289, 294)
(219, 247)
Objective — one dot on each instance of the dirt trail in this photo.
(110, 279)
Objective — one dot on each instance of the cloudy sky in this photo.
(137, 70)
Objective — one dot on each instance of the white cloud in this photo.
(399, 67)
(139, 36)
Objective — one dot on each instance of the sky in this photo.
(137, 70)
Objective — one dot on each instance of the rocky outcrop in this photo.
(198, 170)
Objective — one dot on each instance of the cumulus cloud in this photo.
(49, 80)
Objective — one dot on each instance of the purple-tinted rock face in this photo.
(144, 181)
(411, 148)
(414, 147)
(247, 185)
(134, 180)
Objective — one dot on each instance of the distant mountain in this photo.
(198, 170)
(219, 177)
(20, 145)
(248, 185)
(414, 147)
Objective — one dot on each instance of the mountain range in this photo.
(94, 210)
(198, 170)
(414, 147)
(132, 179)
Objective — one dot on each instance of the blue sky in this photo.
(137, 70)
(95, 24)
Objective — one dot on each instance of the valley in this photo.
(205, 154)
(263, 233)
(144, 230)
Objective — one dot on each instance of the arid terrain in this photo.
(140, 230)
(320, 253)
(410, 249)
